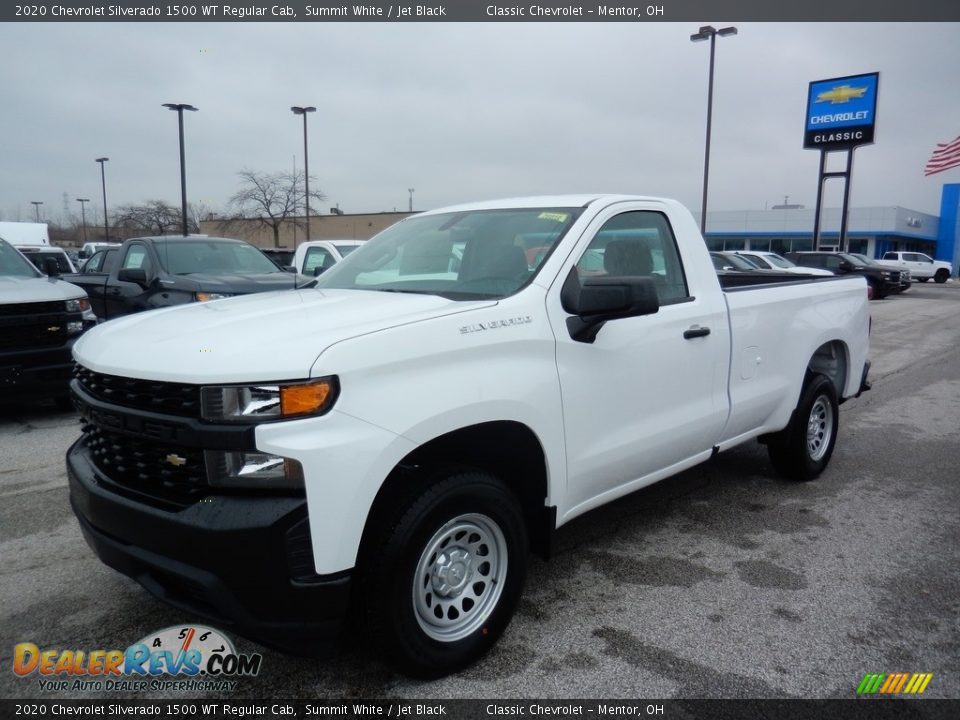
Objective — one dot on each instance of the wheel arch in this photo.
(832, 359)
(507, 449)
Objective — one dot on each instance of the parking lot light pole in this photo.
(36, 207)
(179, 108)
(297, 110)
(103, 180)
(83, 214)
(708, 32)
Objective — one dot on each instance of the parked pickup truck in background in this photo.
(153, 272)
(922, 267)
(881, 281)
(388, 444)
(40, 318)
(316, 256)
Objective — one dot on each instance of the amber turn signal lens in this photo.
(305, 399)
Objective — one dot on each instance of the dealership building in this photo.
(870, 230)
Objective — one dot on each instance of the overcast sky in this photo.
(460, 112)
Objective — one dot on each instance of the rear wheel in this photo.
(802, 450)
(942, 275)
(441, 581)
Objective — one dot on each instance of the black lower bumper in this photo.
(233, 560)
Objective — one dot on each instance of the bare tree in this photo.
(154, 216)
(268, 198)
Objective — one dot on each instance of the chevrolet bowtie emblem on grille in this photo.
(53, 328)
(176, 460)
(841, 94)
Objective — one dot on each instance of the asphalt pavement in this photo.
(725, 581)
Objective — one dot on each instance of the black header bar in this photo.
(481, 11)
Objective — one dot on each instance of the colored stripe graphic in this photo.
(894, 683)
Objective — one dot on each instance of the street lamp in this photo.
(297, 110)
(36, 206)
(179, 108)
(103, 179)
(83, 214)
(708, 32)
(410, 190)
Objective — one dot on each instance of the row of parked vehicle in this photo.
(892, 274)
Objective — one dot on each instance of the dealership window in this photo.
(858, 245)
(760, 244)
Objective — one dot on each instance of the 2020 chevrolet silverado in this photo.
(40, 318)
(389, 444)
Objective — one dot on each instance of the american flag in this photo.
(945, 156)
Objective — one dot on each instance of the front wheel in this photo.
(941, 276)
(443, 578)
(802, 450)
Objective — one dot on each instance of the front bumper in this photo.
(240, 561)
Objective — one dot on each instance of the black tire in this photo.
(941, 275)
(802, 450)
(441, 581)
(879, 293)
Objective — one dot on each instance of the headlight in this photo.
(254, 403)
(206, 296)
(78, 305)
(252, 469)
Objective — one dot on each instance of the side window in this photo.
(137, 257)
(890, 256)
(317, 257)
(95, 263)
(637, 244)
(833, 262)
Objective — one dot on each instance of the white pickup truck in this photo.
(922, 267)
(389, 445)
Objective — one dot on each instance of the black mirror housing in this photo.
(596, 300)
(134, 275)
(50, 266)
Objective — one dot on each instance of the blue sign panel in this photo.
(841, 112)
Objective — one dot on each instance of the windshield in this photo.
(13, 264)
(345, 250)
(462, 256)
(778, 261)
(855, 260)
(212, 257)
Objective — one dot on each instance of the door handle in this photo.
(114, 291)
(695, 332)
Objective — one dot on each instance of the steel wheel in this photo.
(819, 428)
(459, 577)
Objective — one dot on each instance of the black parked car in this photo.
(882, 280)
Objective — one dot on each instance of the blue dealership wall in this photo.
(948, 239)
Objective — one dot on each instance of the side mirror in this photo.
(318, 269)
(599, 299)
(50, 266)
(134, 275)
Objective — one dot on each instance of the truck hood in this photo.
(244, 283)
(36, 289)
(254, 338)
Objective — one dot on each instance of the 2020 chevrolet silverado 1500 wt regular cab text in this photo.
(389, 444)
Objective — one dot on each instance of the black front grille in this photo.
(46, 332)
(165, 397)
(155, 469)
(20, 309)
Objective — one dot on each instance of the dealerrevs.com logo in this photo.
(189, 658)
